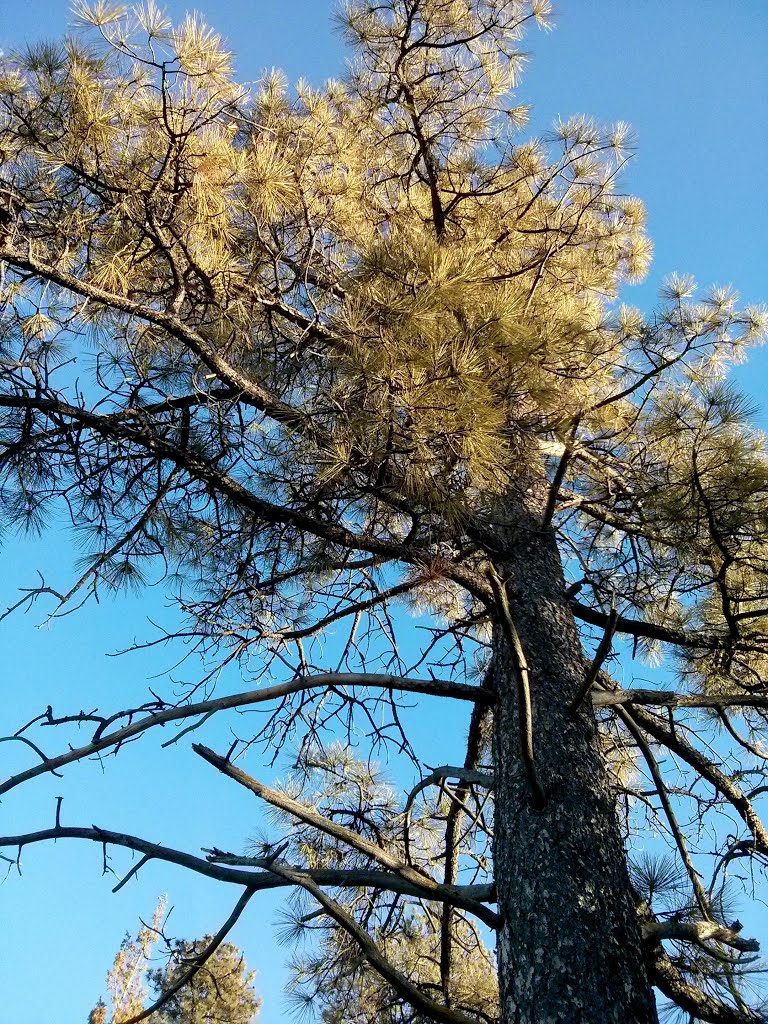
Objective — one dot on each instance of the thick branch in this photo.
(699, 933)
(362, 878)
(427, 687)
(216, 867)
(669, 980)
(671, 699)
(651, 630)
(402, 986)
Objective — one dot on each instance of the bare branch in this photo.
(428, 687)
(710, 772)
(216, 867)
(671, 699)
(602, 652)
(525, 709)
(402, 986)
(669, 980)
(312, 817)
(638, 628)
(700, 933)
(661, 789)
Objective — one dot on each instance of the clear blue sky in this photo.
(692, 78)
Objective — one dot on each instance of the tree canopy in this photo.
(320, 356)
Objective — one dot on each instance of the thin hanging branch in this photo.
(525, 707)
(700, 894)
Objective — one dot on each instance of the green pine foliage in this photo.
(220, 991)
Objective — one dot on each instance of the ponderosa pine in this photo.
(359, 348)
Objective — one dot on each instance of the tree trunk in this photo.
(569, 946)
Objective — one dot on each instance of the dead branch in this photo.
(247, 698)
(331, 828)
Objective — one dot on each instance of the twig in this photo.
(134, 871)
(602, 652)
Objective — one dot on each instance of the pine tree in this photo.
(126, 979)
(220, 992)
(360, 349)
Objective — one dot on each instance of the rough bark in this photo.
(569, 946)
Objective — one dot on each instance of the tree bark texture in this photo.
(569, 946)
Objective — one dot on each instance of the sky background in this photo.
(691, 76)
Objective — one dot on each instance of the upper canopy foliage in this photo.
(424, 302)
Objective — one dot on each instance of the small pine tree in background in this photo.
(220, 992)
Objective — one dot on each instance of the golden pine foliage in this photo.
(446, 309)
(461, 349)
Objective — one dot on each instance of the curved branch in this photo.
(669, 980)
(466, 897)
(525, 708)
(716, 778)
(45, 762)
(470, 776)
(426, 687)
(199, 961)
(316, 820)
(467, 776)
(402, 986)
(177, 328)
